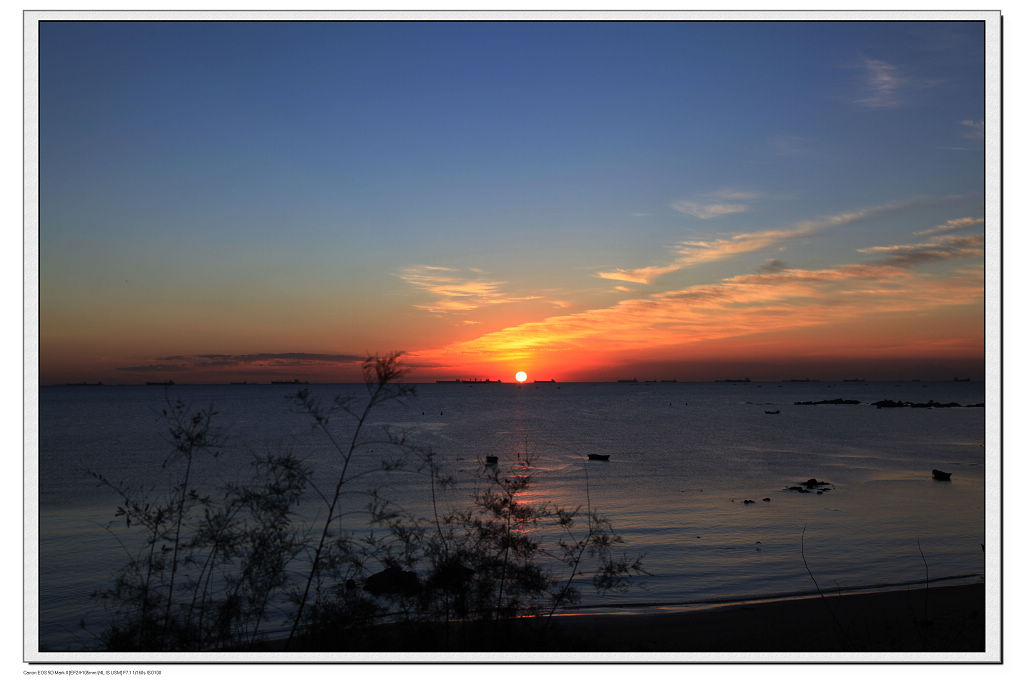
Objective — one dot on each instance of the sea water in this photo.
(684, 459)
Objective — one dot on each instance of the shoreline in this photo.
(943, 619)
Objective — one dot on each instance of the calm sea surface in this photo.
(683, 459)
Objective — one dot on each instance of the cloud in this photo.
(705, 211)
(252, 360)
(455, 291)
(718, 203)
(950, 225)
(741, 195)
(641, 276)
(153, 367)
(975, 129)
(790, 145)
(882, 85)
(691, 253)
(772, 266)
(944, 248)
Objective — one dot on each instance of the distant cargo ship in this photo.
(543, 381)
(287, 381)
(467, 381)
(168, 383)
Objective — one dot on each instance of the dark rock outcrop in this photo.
(887, 403)
(828, 402)
(393, 581)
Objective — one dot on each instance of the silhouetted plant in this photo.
(208, 564)
(379, 375)
(508, 556)
(214, 568)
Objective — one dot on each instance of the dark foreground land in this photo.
(949, 619)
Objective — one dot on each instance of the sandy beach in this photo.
(947, 619)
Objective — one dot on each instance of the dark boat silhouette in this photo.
(491, 459)
(939, 475)
(598, 456)
(771, 412)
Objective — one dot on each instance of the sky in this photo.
(578, 200)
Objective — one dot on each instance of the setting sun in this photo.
(520, 376)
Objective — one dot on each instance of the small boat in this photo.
(772, 412)
(491, 460)
(939, 475)
(597, 456)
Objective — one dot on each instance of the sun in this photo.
(520, 376)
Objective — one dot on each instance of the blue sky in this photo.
(301, 187)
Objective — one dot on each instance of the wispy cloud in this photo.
(455, 290)
(951, 225)
(790, 145)
(741, 195)
(718, 203)
(882, 84)
(154, 367)
(705, 211)
(249, 360)
(691, 253)
(975, 129)
(942, 248)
